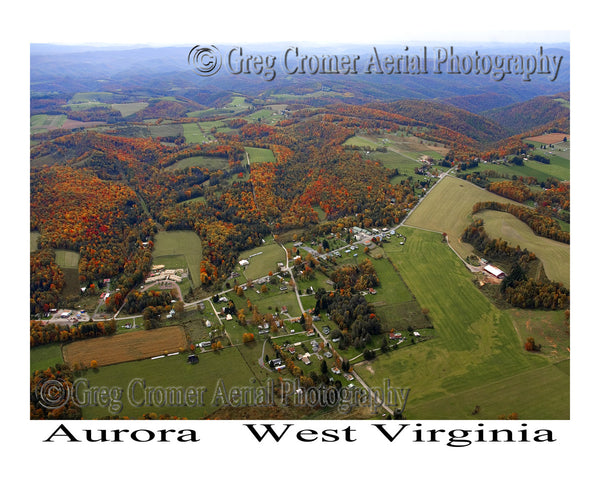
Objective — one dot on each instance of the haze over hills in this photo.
(532, 113)
(66, 69)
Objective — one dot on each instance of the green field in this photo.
(238, 102)
(46, 122)
(212, 163)
(265, 116)
(447, 208)
(358, 141)
(193, 134)
(548, 328)
(557, 168)
(66, 258)
(263, 263)
(127, 109)
(68, 261)
(405, 165)
(34, 238)
(177, 243)
(555, 256)
(227, 365)
(44, 356)
(94, 97)
(475, 348)
(259, 155)
(166, 130)
(268, 302)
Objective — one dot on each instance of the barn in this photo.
(496, 272)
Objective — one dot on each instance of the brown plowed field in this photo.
(125, 347)
(550, 138)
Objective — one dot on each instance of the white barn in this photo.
(496, 272)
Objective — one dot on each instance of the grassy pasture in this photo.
(259, 155)
(406, 166)
(44, 356)
(358, 141)
(193, 133)
(548, 328)
(238, 101)
(264, 116)
(76, 107)
(558, 168)
(539, 394)
(447, 208)
(166, 130)
(554, 255)
(475, 346)
(227, 365)
(68, 261)
(46, 122)
(127, 109)
(193, 200)
(212, 163)
(184, 243)
(94, 97)
(34, 238)
(66, 258)
(260, 265)
(136, 345)
(267, 302)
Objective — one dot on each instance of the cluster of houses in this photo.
(364, 234)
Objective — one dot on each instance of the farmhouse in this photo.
(276, 362)
(496, 272)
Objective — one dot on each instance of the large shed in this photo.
(496, 272)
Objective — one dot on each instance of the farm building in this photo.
(496, 272)
(244, 263)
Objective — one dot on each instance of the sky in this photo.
(312, 20)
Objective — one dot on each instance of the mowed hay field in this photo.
(448, 208)
(555, 256)
(125, 348)
(227, 366)
(476, 356)
(259, 155)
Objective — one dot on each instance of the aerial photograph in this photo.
(277, 231)
(301, 239)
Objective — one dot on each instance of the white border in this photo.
(158, 23)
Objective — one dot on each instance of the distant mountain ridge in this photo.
(528, 115)
(66, 70)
